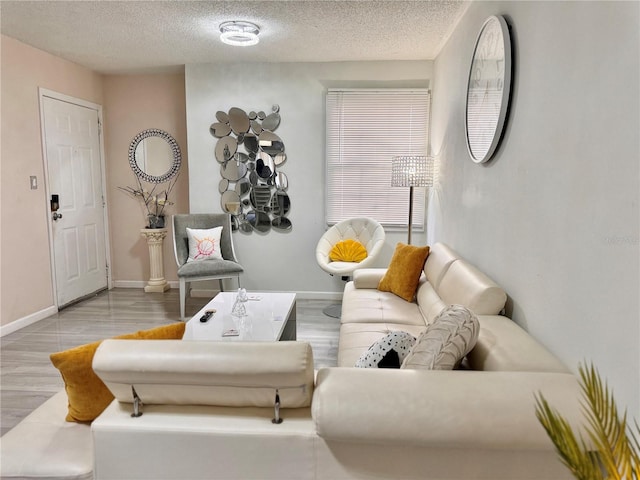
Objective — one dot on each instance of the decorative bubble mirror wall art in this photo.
(253, 189)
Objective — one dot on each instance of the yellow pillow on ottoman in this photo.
(88, 396)
(404, 271)
(348, 251)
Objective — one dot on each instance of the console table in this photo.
(155, 239)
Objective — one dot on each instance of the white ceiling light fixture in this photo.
(239, 33)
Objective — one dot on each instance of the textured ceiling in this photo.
(151, 36)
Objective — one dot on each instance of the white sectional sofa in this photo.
(208, 406)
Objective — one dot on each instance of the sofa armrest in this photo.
(460, 409)
(368, 277)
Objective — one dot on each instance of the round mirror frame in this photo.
(484, 44)
(175, 148)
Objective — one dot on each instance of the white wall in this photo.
(283, 261)
(554, 216)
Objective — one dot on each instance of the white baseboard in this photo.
(138, 284)
(320, 296)
(28, 320)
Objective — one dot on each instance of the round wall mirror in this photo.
(488, 89)
(154, 156)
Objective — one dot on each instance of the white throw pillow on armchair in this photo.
(204, 244)
(446, 341)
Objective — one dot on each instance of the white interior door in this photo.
(72, 143)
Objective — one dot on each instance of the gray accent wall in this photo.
(553, 217)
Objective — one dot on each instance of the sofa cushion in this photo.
(349, 250)
(463, 284)
(429, 302)
(88, 396)
(505, 346)
(446, 341)
(388, 352)
(404, 271)
(440, 259)
(370, 305)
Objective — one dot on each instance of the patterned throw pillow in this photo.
(388, 352)
(204, 244)
(446, 341)
(348, 251)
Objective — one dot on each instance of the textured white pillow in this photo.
(446, 341)
(388, 352)
(204, 244)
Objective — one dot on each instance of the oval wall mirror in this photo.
(270, 143)
(226, 148)
(281, 223)
(239, 120)
(233, 171)
(488, 89)
(260, 221)
(230, 202)
(154, 156)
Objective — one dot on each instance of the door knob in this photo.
(56, 216)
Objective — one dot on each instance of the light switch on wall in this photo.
(33, 180)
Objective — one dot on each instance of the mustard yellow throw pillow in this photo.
(88, 396)
(348, 251)
(404, 271)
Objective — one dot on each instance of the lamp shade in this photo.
(412, 171)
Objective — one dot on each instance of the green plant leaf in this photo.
(613, 451)
(572, 453)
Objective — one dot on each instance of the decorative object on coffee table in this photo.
(411, 171)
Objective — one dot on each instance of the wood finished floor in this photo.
(27, 377)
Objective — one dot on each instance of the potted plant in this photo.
(611, 450)
(153, 199)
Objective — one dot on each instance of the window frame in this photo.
(419, 145)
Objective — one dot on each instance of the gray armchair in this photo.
(189, 272)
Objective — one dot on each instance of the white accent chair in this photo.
(189, 272)
(365, 230)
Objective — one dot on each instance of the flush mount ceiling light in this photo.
(239, 33)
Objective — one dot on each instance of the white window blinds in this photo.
(365, 129)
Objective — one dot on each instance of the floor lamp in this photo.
(411, 171)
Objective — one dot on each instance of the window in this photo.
(365, 129)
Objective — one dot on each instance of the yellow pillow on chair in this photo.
(403, 274)
(348, 251)
(88, 396)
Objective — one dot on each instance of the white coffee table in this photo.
(270, 317)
